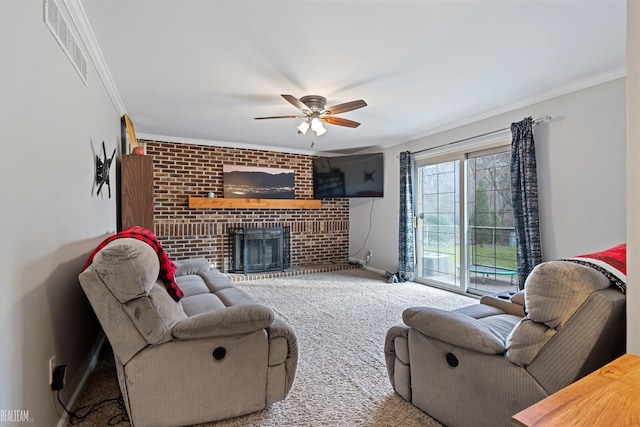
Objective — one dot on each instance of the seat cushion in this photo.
(215, 280)
(201, 303)
(478, 311)
(234, 296)
(456, 328)
(500, 323)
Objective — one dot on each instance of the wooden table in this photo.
(609, 396)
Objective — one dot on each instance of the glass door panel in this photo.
(492, 251)
(438, 232)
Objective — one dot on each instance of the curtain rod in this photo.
(543, 119)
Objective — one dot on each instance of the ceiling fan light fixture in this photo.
(304, 127)
(316, 126)
(315, 112)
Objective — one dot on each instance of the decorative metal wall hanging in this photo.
(102, 170)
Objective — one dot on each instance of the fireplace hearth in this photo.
(259, 249)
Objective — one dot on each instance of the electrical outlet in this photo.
(52, 364)
(367, 257)
(369, 253)
(59, 375)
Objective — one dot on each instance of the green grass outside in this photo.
(499, 256)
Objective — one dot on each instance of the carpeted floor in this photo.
(340, 320)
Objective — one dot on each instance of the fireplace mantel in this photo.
(232, 203)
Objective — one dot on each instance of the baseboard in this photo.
(375, 270)
(366, 267)
(90, 364)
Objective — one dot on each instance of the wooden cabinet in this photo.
(136, 191)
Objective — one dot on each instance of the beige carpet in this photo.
(340, 319)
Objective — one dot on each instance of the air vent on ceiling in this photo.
(63, 34)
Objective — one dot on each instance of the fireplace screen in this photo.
(253, 250)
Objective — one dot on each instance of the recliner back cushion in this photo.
(554, 291)
(190, 266)
(128, 267)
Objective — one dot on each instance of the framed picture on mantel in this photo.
(250, 182)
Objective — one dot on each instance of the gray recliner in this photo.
(481, 364)
(215, 354)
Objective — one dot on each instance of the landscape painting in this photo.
(249, 182)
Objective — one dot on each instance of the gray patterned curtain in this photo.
(524, 194)
(406, 242)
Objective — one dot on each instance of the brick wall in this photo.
(183, 170)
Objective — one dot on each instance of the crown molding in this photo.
(80, 20)
(594, 80)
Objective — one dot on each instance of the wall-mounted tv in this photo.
(358, 175)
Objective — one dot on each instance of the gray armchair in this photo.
(215, 354)
(479, 365)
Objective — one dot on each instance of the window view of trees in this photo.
(491, 224)
(491, 238)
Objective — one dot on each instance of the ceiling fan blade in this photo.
(296, 102)
(339, 121)
(347, 106)
(280, 117)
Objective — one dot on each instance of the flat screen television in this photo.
(358, 175)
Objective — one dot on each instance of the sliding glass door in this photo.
(465, 234)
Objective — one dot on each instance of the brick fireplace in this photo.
(318, 236)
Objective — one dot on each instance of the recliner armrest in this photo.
(510, 304)
(279, 329)
(235, 320)
(454, 328)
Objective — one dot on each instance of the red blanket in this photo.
(611, 262)
(167, 267)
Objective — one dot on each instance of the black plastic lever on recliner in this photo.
(219, 353)
(452, 360)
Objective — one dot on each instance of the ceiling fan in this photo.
(315, 113)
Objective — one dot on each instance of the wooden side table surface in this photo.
(609, 396)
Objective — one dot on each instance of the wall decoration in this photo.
(102, 170)
(249, 182)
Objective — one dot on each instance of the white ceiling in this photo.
(203, 69)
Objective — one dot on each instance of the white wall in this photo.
(50, 126)
(581, 176)
(633, 175)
